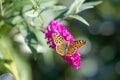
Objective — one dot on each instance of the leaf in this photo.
(23, 30)
(47, 3)
(79, 18)
(31, 13)
(74, 6)
(29, 37)
(92, 3)
(56, 7)
(17, 19)
(38, 35)
(14, 6)
(20, 3)
(31, 41)
(33, 37)
(61, 14)
(88, 5)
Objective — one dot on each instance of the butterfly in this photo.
(64, 47)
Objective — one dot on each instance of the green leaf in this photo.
(30, 37)
(40, 37)
(74, 6)
(88, 5)
(61, 14)
(17, 19)
(48, 3)
(93, 3)
(21, 3)
(56, 7)
(31, 13)
(14, 6)
(33, 37)
(32, 41)
(79, 18)
(23, 30)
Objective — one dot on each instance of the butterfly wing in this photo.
(58, 39)
(60, 43)
(60, 48)
(78, 43)
(70, 50)
(73, 46)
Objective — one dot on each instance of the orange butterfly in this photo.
(66, 48)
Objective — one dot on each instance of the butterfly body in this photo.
(64, 47)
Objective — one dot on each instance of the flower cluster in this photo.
(57, 27)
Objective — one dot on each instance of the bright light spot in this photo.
(23, 46)
(89, 68)
(19, 38)
(107, 53)
(41, 49)
(107, 28)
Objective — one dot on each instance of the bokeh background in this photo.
(100, 56)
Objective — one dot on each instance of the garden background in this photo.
(25, 54)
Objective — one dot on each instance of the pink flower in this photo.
(57, 27)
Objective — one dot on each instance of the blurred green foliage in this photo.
(10, 61)
(23, 48)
